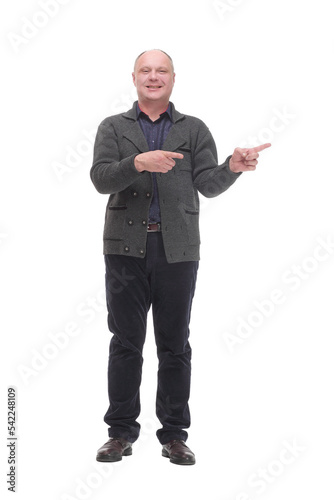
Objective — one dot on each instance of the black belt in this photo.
(154, 227)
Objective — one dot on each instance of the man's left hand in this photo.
(245, 159)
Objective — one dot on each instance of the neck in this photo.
(153, 109)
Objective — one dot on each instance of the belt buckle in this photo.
(158, 224)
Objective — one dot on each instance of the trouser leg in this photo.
(172, 289)
(128, 301)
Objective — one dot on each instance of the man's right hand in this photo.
(156, 161)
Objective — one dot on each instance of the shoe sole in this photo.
(107, 458)
(177, 461)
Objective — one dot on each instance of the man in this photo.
(153, 161)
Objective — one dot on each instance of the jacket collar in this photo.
(134, 133)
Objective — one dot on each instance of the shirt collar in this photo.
(168, 110)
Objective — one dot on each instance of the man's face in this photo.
(154, 77)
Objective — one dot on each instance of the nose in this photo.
(153, 75)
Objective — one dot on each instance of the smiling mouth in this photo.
(154, 86)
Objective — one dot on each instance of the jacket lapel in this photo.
(135, 134)
(174, 139)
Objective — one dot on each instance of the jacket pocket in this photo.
(114, 222)
(191, 218)
(191, 212)
(119, 207)
(185, 165)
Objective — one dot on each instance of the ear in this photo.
(134, 79)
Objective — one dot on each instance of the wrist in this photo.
(232, 166)
(137, 163)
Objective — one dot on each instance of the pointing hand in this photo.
(156, 161)
(245, 159)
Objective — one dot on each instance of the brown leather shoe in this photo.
(113, 450)
(178, 453)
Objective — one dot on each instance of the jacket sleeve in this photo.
(210, 178)
(110, 173)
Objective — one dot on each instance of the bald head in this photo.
(154, 50)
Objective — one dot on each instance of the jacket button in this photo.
(126, 249)
(130, 222)
(134, 194)
(141, 252)
(144, 222)
(148, 195)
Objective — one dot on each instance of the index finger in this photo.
(171, 154)
(257, 149)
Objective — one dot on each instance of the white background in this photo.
(237, 66)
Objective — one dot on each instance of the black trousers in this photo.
(133, 285)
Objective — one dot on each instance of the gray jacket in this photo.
(119, 139)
